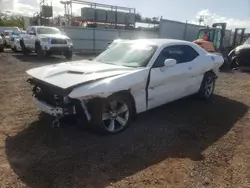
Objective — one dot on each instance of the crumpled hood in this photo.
(243, 46)
(65, 75)
(58, 36)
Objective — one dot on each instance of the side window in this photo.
(33, 30)
(28, 30)
(189, 54)
(181, 53)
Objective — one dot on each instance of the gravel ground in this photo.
(188, 143)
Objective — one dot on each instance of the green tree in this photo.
(11, 20)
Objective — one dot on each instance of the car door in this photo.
(26, 37)
(170, 83)
(32, 39)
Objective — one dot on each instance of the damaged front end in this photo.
(55, 101)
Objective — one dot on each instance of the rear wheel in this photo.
(1, 49)
(112, 115)
(207, 86)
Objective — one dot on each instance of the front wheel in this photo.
(68, 55)
(14, 49)
(207, 86)
(112, 115)
(40, 53)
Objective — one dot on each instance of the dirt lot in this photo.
(188, 143)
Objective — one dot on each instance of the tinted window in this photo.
(33, 30)
(181, 53)
(28, 29)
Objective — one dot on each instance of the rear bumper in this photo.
(243, 57)
(55, 111)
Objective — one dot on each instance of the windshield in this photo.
(48, 30)
(15, 36)
(247, 41)
(7, 33)
(130, 54)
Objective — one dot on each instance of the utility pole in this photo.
(201, 19)
(67, 10)
(42, 2)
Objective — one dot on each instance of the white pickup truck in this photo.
(46, 41)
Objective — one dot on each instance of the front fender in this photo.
(104, 88)
(135, 83)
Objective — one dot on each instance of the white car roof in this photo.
(167, 42)
(44, 27)
(9, 31)
(160, 42)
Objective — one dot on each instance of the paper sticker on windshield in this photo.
(148, 48)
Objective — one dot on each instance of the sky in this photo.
(235, 12)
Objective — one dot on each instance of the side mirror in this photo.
(170, 62)
(32, 33)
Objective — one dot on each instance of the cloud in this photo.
(232, 23)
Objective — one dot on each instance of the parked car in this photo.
(7, 36)
(15, 41)
(128, 78)
(240, 56)
(1, 44)
(46, 40)
(3, 28)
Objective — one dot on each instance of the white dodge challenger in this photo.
(130, 77)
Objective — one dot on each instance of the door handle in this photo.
(189, 68)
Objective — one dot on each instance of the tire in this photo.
(2, 49)
(48, 53)
(14, 49)
(40, 53)
(25, 51)
(207, 86)
(111, 115)
(68, 55)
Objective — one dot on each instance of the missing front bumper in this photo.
(55, 111)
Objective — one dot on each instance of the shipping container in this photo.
(130, 18)
(101, 15)
(88, 13)
(111, 16)
(121, 17)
